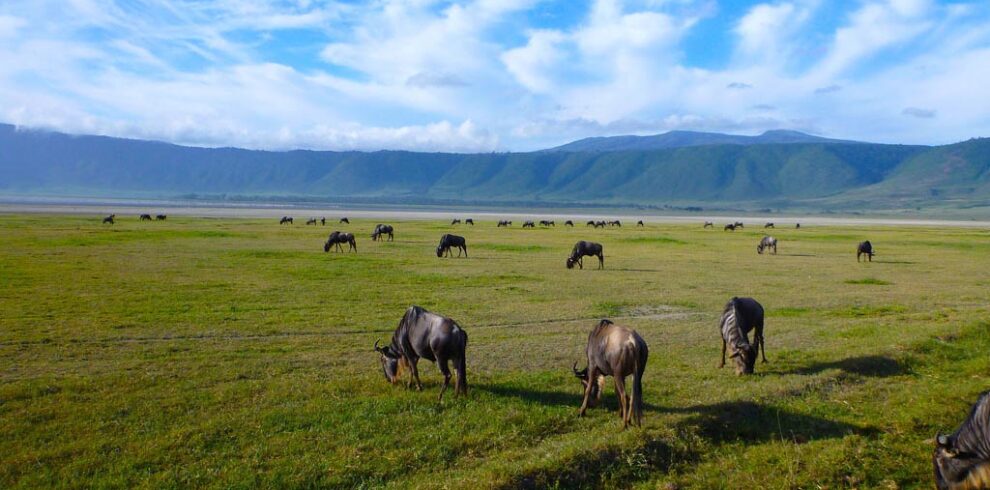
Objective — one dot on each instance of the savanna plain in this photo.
(209, 352)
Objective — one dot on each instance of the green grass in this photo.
(236, 353)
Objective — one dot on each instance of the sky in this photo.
(493, 75)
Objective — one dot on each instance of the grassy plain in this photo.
(236, 353)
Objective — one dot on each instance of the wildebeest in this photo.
(709, 224)
(797, 225)
(109, 219)
(765, 243)
(529, 224)
(583, 249)
(145, 217)
(447, 241)
(864, 248)
(616, 351)
(768, 225)
(729, 227)
(569, 223)
(504, 223)
(160, 217)
(311, 221)
(323, 221)
(738, 224)
(284, 220)
(962, 459)
(547, 223)
(600, 224)
(591, 223)
(455, 222)
(615, 223)
(381, 230)
(640, 223)
(739, 317)
(426, 335)
(469, 221)
(345, 220)
(338, 237)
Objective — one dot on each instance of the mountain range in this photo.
(778, 170)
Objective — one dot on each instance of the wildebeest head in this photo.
(326, 246)
(390, 363)
(570, 262)
(745, 356)
(596, 390)
(439, 250)
(955, 468)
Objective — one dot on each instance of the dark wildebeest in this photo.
(345, 220)
(547, 223)
(739, 317)
(640, 223)
(381, 230)
(311, 221)
(738, 224)
(323, 221)
(864, 248)
(768, 225)
(469, 221)
(729, 227)
(591, 223)
(109, 219)
(426, 335)
(797, 225)
(962, 459)
(616, 351)
(600, 224)
(504, 223)
(338, 237)
(529, 224)
(448, 241)
(284, 220)
(569, 223)
(455, 222)
(615, 223)
(765, 243)
(145, 217)
(582, 249)
(160, 217)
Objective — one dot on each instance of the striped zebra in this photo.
(739, 317)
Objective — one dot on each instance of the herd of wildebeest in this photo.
(961, 460)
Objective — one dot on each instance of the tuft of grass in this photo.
(659, 240)
(869, 281)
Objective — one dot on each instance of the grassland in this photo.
(235, 353)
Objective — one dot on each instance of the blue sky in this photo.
(493, 75)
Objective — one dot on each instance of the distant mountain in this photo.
(678, 139)
(783, 174)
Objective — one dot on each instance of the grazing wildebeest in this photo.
(338, 237)
(426, 335)
(569, 223)
(529, 224)
(739, 317)
(864, 248)
(615, 223)
(616, 351)
(600, 224)
(709, 224)
(504, 223)
(448, 241)
(591, 223)
(160, 217)
(962, 459)
(547, 223)
(345, 220)
(640, 223)
(582, 249)
(768, 225)
(311, 221)
(469, 221)
(765, 243)
(145, 217)
(381, 230)
(738, 224)
(284, 220)
(109, 219)
(455, 222)
(323, 221)
(797, 225)
(729, 227)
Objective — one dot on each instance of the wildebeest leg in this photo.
(445, 370)
(414, 374)
(759, 338)
(460, 365)
(722, 364)
(592, 379)
(581, 262)
(620, 393)
(601, 261)
(465, 252)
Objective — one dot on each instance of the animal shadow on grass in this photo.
(560, 398)
(875, 366)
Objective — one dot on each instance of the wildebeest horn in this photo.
(575, 367)
(376, 345)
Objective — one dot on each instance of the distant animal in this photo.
(311, 221)
(585, 249)
(469, 221)
(569, 223)
(600, 224)
(284, 220)
(160, 217)
(640, 223)
(615, 223)
(739, 316)
(766, 243)
(709, 224)
(529, 224)
(455, 222)
(616, 351)
(338, 237)
(729, 227)
(962, 459)
(592, 223)
(768, 225)
(797, 225)
(145, 217)
(345, 220)
(504, 223)
(425, 335)
(738, 224)
(865, 248)
(109, 219)
(381, 231)
(547, 223)
(448, 241)
(323, 221)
